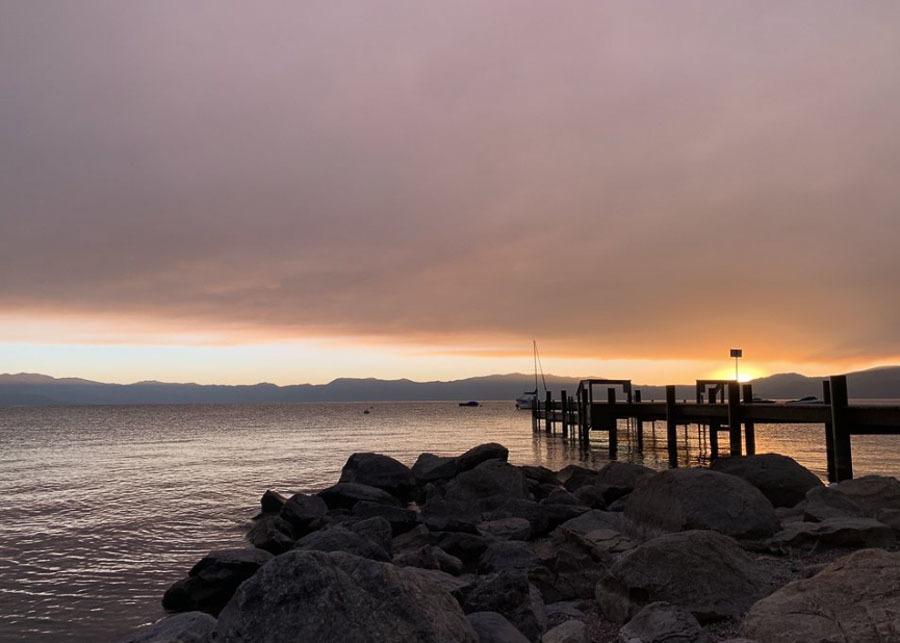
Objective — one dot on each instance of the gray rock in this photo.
(855, 599)
(835, 532)
(506, 529)
(823, 503)
(682, 499)
(541, 475)
(187, 627)
(339, 538)
(592, 495)
(574, 477)
(510, 594)
(562, 611)
(344, 495)
(376, 529)
(620, 478)
(316, 596)
(449, 582)
(467, 547)
(482, 453)
(567, 570)
(507, 555)
(492, 627)
(486, 487)
(702, 571)
(561, 496)
(272, 502)
(401, 520)
(211, 583)
(272, 533)
(304, 512)
(591, 521)
(781, 479)
(379, 471)
(663, 623)
(431, 468)
(891, 518)
(429, 557)
(872, 493)
(598, 531)
(573, 631)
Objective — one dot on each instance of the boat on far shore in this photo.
(470, 403)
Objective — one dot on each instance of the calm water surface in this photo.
(101, 508)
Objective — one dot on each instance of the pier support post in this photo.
(734, 418)
(749, 428)
(671, 433)
(843, 462)
(613, 424)
(564, 412)
(714, 426)
(639, 423)
(829, 432)
(586, 426)
(548, 414)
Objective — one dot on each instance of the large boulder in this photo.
(663, 623)
(492, 627)
(702, 571)
(486, 487)
(339, 538)
(511, 594)
(429, 557)
(467, 547)
(683, 499)
(872, 493)
(823, 503)
(506, 529)
(572, 631)
(574, 476)
(855, 599)
(271, 502)
(566, 571)
(835, 532)
(379, 471)
(187, 627)
(345, 495)
(781, 479)
(432, 468)
(304, 512)
(211, 583)
(316, 596)
(621, 478)
(482, 453)
(510, 554)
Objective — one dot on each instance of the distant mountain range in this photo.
(30, 389)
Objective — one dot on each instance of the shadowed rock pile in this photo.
(474, 549)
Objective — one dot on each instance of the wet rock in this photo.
(573, 631)
(682, 499)
(872, 493)
(341, 539)
(835, 532)
(663, 623)
(272, 502)
(506, 529)
(344, 495)
(482, 453)
(781, 479)
(376, 529)
(211, 583)
(853, 599)
(506, 555)
(401, 520)
(304, 512)
(492, 627)
(510, 594)
(429, 557)
(379, 471)
(702, 571)
(187, 627)
(431, 468)
(271, 533)
(823, 503)
(316, 596)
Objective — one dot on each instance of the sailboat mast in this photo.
(534, 346)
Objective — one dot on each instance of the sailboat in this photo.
(528, 400)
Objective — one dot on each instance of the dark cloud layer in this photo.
(631, 178)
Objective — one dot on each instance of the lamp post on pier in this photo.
(737, 354)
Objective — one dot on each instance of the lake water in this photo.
(102, 508)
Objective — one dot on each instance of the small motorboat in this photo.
(470, 403)
(809, 399)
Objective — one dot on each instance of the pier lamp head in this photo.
(737, 352)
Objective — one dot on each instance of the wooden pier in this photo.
(724, 406)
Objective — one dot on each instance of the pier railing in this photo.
(724, 407)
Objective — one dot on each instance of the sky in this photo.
(235, 192)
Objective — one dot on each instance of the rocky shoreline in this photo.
(474, 549)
